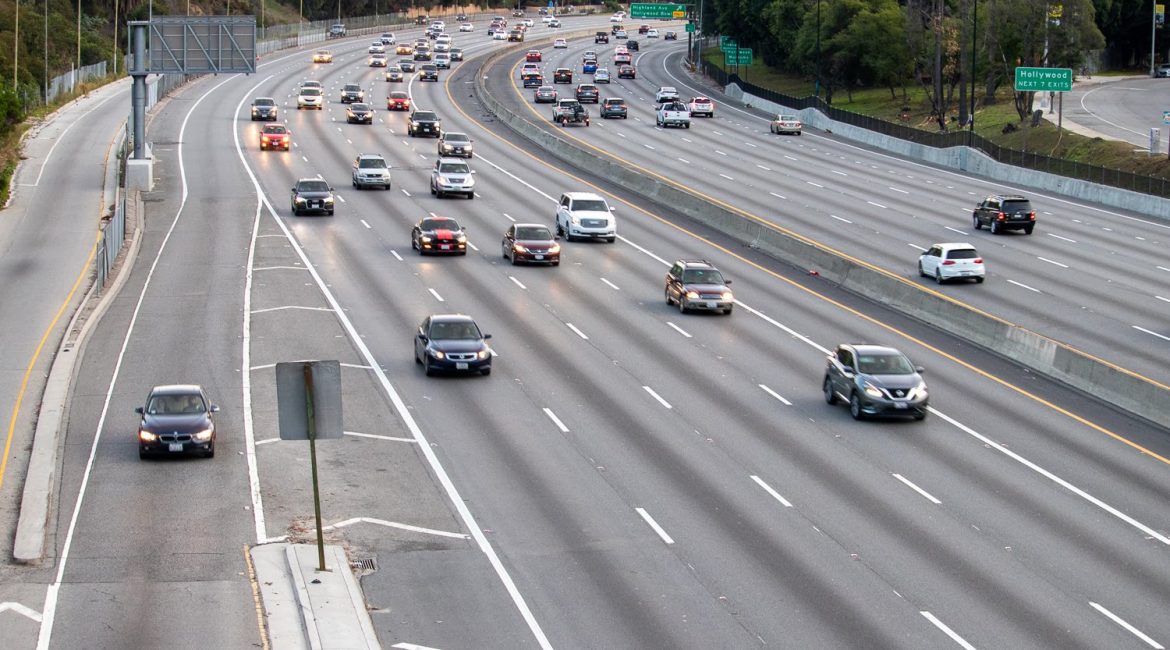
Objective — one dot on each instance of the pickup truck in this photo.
(570, 111)
(674, 114)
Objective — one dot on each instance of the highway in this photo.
(628, 476)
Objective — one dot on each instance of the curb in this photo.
(1112, 384)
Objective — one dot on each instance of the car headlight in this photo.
(871, 390)
(329, 199)
(300, 199)
(727, 297)
(146, 436)
(483, 354)
(693, 295)
(576, 221)
(425, 239)
(555, 248)
(461, 238)
(519, 248)
(447, 147)
(202, 436)
(438, 354)
(918, 392)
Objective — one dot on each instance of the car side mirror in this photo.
(139, 410)
(919, 369)
(294, 188)
(214, 408)
(727, 282)
(487, 336)
(422, 337)
(473, 171)
(556, 237)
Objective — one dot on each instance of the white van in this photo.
(585, 215)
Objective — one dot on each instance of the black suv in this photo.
(875, 380)
(312, 195)
(1005, 212)
(697, 284)
(424, 123)
(264, 108)
(601, 37)
(352, 93)
(428, 72)
(614, 107)
(588, 93)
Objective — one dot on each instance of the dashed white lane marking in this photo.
(1162, 268)
(1162, 299)
(1045, 259)
(840, 218)
(912, 486)
(727, 177)
(472, 247)
(396, 255)
(367, 225)
(838, 172)
(778, 196)
(405, 192)
(1142, 329)
(648, 147)
(1132, 630)
(436, 295)
(678, 329)
(557, 421)
(896, 189)
(720, 152)
(687, 140)
(517, 282)
(1024, 286)
(879, 205)
(789, 157)
(654, 524)
(775, 394)
(1073, 241)
(657, 397)
(611, 285)
(961, 232)
(815, 184)
(768, 488)
(684, 161)
(577, 331)
(948, 631)
(767, 169)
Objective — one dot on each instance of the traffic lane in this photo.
(1123, 110)
(1135, 333)
(172, 499)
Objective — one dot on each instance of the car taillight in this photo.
(1032, 215)
(1001, 217)
(948, 262)
(978, 260)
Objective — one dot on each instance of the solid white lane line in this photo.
(611, 285)
(961, 232)
(897, 190)
(657, 397)
(1142, 329)
(815, 184)
(768, 488)
(1132, 630)
(1020, 284)
(577, 331)
(791, 332)
(840, 218)
(778, 196)
(645, 251)
(517, 282)
(1053, 477)
(1045, 259)
(367, 225)
(375, 436)
(727, 177)
(876, 204)
(396, 255)
(654, 524)
(775, 394)
(948, 631)
(557, 421)
(1073, 241)
(436, 295)
(917, 489)
(678, 329)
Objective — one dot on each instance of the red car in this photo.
(563, 76)
(643, 29)
(275, 136)
(533, 56)
(398, 101)
(627, 72)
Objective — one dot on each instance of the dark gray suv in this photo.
(312, 195)
(875, 381)
(1002, 212)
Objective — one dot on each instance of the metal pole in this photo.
(78, 36)
(16, 48)
(301, 22)
(116, 55)
(313, 461)
(1153, 32)
(138, 90)
(817, 90)
(46, 51)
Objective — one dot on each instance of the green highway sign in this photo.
(649, 10)
(727, 43)
(690, 27)
(1044, 80)
(738, 56)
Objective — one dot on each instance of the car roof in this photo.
(452, 318)
(370, 155)
(583, 195)
(695, 263)
(868, 348)
(449, 159)
(176, 389)
(956, 244)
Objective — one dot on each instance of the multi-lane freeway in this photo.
(628, 476)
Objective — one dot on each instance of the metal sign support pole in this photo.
(138, 91)
(313, 461)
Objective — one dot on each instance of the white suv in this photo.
(583, 214)
(371, 169)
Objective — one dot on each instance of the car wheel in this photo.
(210, 453)
(921, 271)
(976, 222)
(827, 387)
(979, 280)
(920, 416)
(855, 407)
(995, 227)
(296, 212)
(355, 185)
(666, 294)
(331, 213)
(471, 196)
(142, 455)
(727, 312)
(938, 276)
(427, 368)
(682, 304)
(485, 372)
(417, 360)
(1028, 229)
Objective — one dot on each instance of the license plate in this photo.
(900, 405)
(175, 446)
(461, 365)
(540, 257)
(444, 246)
(711, 305)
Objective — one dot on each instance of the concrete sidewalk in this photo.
(309, 609)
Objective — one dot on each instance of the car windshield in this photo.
(453, 168)
(359, 107)
(533, 233)
(884, 364)
(455, 137)
(310, 92)
(398, 94)
(274, 128)
(424, 116)
(175, 404)
(394, 68)
(313, 186)
(962, 254)
(590, 205)
(372, 163)
(702, 276)
(264, 101)
(439, 224)
(455, 330)
(352, 88)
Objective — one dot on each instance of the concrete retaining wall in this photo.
(1133, 393)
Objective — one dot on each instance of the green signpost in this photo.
(1044, 80)
(660, 11)
(737, 56)
(726, 42)
(690, 28)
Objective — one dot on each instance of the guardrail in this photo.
(1124, 389)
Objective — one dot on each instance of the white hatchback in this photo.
(951, 261)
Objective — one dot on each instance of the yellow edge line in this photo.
(37, 354)
(257, 601)
(811, 292)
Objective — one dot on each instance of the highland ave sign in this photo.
(1044, 80)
